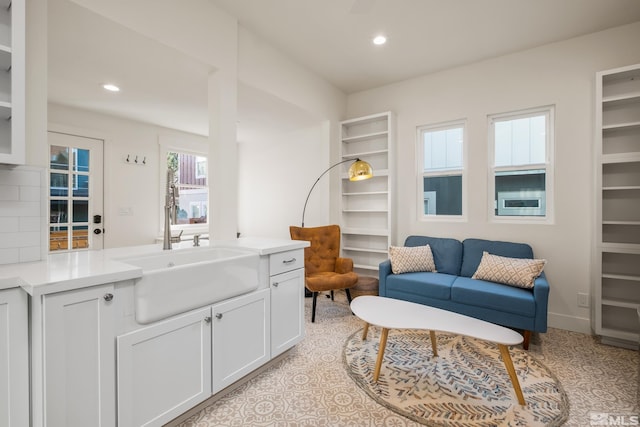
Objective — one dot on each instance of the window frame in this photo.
(183, 147)
(548, 166)
(421, 174)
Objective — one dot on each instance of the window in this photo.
(521, 147)
(441, 169)
(190, 172)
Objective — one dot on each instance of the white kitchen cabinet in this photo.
(164, 369)
(241, 337)
(79, 363)
(287, 300)
(617, 251)
(12, 81)
(366, 206)
(14, 358)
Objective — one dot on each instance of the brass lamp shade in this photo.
(360, 170)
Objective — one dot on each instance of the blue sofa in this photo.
(452, 288)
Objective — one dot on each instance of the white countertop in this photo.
(74, 270)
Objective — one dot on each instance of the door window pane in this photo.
(58, 238)
(80, 211)
(80, 160)
(80, 236)
(59, 185)
(59, 212)
(59, 158)
(80, 185)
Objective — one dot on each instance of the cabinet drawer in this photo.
(286, 261)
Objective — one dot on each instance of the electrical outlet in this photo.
(583, 300)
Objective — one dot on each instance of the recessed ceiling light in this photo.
(112, 88)
(378, 40)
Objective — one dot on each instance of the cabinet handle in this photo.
(218, 315)
(288, 261)
(275, 284)
(207, 319)
(108, 297)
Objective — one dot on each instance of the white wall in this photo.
(276, 174)
(562, 74)
(129, 188)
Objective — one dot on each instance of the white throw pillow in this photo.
(520, 272)
(408, 259)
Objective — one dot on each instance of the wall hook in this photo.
(136, 160)
(127, 158)
(144, 161)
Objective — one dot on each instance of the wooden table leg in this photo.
(434, 343)
(364, 331)
(383, 344)
(508, 363)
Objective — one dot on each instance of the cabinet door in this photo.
(287, 310)
(14, 357)
(240, 337)
(79, 357)
(164, 369)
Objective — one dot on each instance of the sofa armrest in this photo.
(344, 265)
(541, 296)
(384, 270)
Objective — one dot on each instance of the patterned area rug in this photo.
(465, 385)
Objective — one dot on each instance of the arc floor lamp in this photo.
(358, 171)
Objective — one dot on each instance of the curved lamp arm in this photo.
(363, 176)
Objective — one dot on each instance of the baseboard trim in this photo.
(570, 323)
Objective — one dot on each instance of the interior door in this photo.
(76, 219)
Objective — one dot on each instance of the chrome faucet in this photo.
(170, 208)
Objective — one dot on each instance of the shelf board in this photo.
(376, 173)
(621, 158)
(366, 193)
(620, 303)
(369, 250)
(615, 126)
(364, 154)
(621, 187)
(617, 98)
(627, 248)
(620, 222)
(365, 211)
(365, 232)
(621, 277)
(365, 136)
(366, 267)
(621, 334)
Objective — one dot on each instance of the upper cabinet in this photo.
(12, 81)
(617, 290)
(366, 206)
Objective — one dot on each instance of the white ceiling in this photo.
(330, 37)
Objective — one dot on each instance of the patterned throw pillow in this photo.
(518, 272)
(408, 259)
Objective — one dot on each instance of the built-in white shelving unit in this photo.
(12, 81)
(617, 254)
(366, 206)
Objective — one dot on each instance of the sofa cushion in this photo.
(473, 249)
(408, 259)
(494, 296)
(521, 272)
(432, 285)
(447, 253)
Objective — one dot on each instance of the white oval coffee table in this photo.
(389, 313)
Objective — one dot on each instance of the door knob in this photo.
(97, 231)
(108, 297)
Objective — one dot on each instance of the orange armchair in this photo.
(325, 270)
